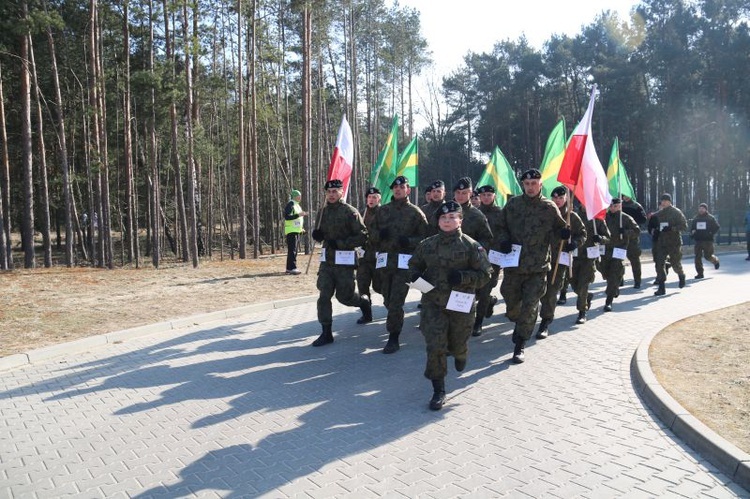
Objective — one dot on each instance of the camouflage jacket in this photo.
(342, 223)
(577, 233)
(437, 256)
(709, 230)
(475, 225)
(430, 212)
(398, 227)
(532, 223)
(674, 218)
(368, 216)
(492, 213)
(631, 230)
(601, 230)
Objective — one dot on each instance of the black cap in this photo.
(486, 188)
(438, 184)
(531, 173)
(428, 189)
(334, 184)
(616, 200)
(474, 193)
(559, 191)
(373, 190)
(400, 180)
(463, 183)
(666, 197)
(449, 207)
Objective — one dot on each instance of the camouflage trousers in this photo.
(673, 252)
(634, 257)
(483, 294)
(704, 249)
(445, 332)
(366, 276)
(613, 271)
(522, 292)
(394, 287)
(581, 276)
(549, 300)
(339, 280)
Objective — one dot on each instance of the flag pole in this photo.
(312, 249)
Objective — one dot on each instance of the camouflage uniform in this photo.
(669, 242)
(704, 240)
(613, 268)
(578, 237)
(492, 213)
(430, 213)
(339, 222)
(397, 229)
(445, 331)
(530, 222)
(583, 271)
(637, 213)
(366, 274)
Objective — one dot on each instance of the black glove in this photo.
(666, 228)
(403, 242)
(570, 246)
(565, 233)
(415, 277)
(622, 231)
(318, 235)
(331, 243)
(455, 277)
(506, 247)
(384, 234)
(596, 238)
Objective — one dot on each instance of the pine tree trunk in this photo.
(27, 222)
(6, 262)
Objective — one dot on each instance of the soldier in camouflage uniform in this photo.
(703, 228)
(492, 212)
(450, 261)
(340, 228)
(577, 238)
(669, 244)
(429, 209)
(366, 274)
(397, 229)
(476, 227)
(584, 267)
(531, 221)
(633, 208)
(623, 230)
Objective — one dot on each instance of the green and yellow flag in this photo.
(617, 177)
(408, 162)
(554, 152)
(501, 176)
(384, 171)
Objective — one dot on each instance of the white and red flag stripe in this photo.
(343, 156)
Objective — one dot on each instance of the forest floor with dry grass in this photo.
(702, 361)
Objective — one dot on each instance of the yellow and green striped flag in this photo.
(501, 176)
(408, 162)
(384, 170)
(554, 152)
(617, 177)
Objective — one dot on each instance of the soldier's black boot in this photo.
(543, 330)
(392, 345)
(366, 307)
(477, 329)
(637, 282)
(459, 363)
(438, 395)
(491, 307)
(682, 280)
(325, 337)
(661, 291)
(581, 317)
(699, 275)
(563, 297)
(518, 356)
(608, 304)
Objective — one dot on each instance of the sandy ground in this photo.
(703, 361)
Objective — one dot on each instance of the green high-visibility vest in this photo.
(296, 225)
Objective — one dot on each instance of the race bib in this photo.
(403, 261)
(381, 260)
(460, 302)
(564, 258)
(345, 257)
(508, 260)
(495, 257)
(619, 253)
(700, 225)
(592, 252)
(662, 225)
(323, 255)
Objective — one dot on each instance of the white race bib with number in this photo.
(564, 258)
(511, 259)
(381, 260)
(403, 261)
(619, 253)
(495, 257)
(344, 257)
(592, 252)
(700, 225)
(460, 302)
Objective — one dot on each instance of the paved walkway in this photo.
(245, 407)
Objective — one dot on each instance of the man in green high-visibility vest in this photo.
(294, 222)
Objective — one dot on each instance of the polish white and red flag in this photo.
(582, 172)
(343, 156)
